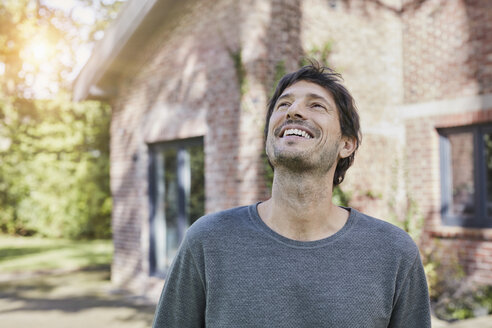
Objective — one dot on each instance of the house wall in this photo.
(188, 85)
(447, 64)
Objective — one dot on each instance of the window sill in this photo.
(484, 234)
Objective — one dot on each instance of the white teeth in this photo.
(296, 132)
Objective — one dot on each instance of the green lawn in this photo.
(19, 254)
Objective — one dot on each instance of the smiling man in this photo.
(297, 260)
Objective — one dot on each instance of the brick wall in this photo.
(447, 50)
(188, 86)
(447, 57)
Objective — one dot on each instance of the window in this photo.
(466, 176)
(177, 197)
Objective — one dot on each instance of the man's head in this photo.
(287, 106)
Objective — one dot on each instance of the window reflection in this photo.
(179, 197)
(171, 203)
(487, 141)
(462, 174)
(196, 204)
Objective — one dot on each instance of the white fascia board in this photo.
(108, 48)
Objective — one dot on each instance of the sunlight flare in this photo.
(38, 51)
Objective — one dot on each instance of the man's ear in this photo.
(347, 146)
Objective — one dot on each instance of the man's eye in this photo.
(316, 105)
(283, 105)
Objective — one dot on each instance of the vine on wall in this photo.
(319, 53)
(240, 70)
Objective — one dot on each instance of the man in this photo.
(297, 260)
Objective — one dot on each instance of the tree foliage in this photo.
(40, 43)
(54, 168)
(54, 154)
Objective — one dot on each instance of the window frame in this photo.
(480, 218)
(184, 184)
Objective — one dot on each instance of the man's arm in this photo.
(182, 302)
(412, 308)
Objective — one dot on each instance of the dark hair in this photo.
(347, 111)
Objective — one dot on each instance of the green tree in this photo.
(55, 171)
(54, 154)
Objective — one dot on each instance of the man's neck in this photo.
(301, 207)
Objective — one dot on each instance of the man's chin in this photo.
(292, 161)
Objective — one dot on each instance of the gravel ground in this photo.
(86, 299)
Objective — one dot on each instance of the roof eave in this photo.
(109, 48)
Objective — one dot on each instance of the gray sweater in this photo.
(232, 270)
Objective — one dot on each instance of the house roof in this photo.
(113, 55)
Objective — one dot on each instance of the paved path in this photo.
(86, 299)
(482, 322)
(76, 299)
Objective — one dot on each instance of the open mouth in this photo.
(296, 133)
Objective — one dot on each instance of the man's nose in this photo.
(296, 110)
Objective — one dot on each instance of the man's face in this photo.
(304, 130)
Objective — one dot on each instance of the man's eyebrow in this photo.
(309, 96)
(316, 96)
(285, 95)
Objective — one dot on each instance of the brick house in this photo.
(188, 82)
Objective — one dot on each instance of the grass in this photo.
(21, 254)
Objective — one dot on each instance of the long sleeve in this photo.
(182, 302)
(412, 309)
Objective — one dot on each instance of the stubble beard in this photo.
(302, 162)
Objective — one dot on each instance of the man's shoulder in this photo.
(217, 223)
(386, 235)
